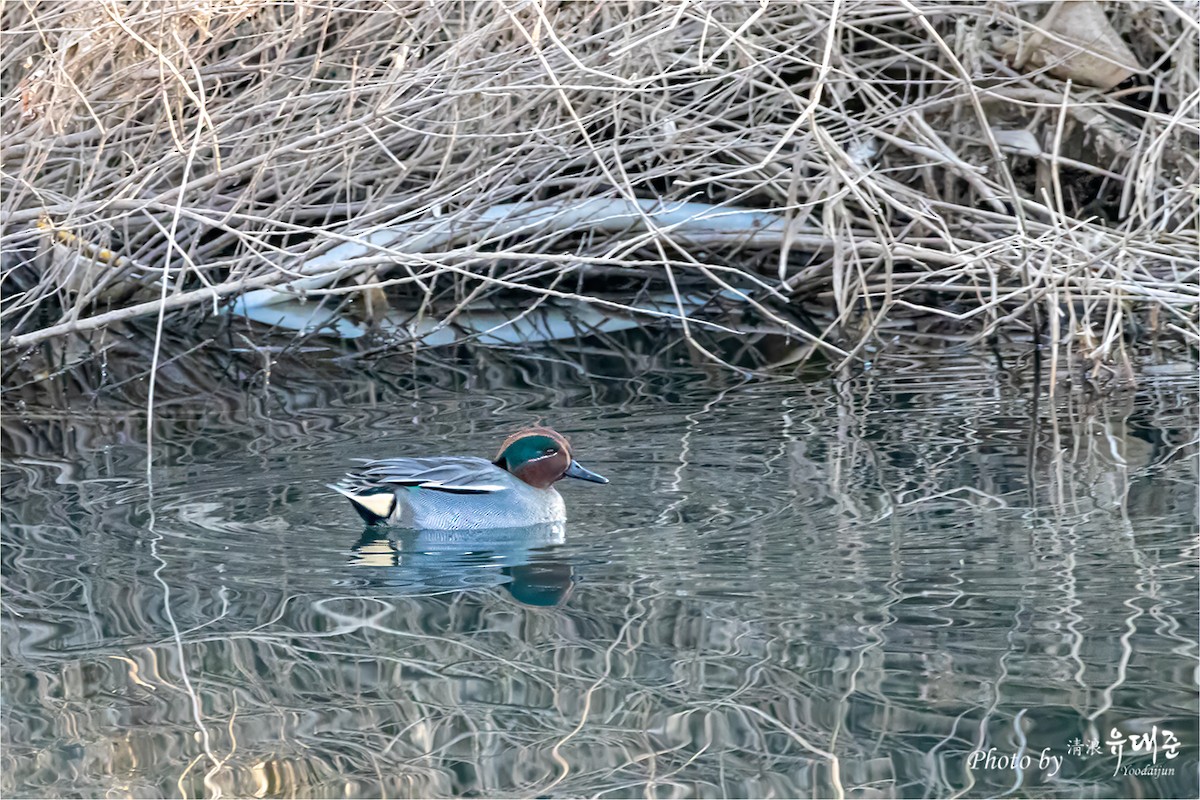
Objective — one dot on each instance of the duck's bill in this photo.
(576, 471)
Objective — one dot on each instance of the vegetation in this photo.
(960, 170)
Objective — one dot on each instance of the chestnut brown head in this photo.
(540, 456)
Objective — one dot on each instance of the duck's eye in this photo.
(551, 451)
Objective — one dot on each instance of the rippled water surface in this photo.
(810, 587)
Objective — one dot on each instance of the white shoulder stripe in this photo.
(473, 487)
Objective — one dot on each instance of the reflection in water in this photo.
(789, 589)
(520, 559)
(541, 582)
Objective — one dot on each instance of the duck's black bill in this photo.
(576, 471)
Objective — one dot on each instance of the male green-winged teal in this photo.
(464, 492)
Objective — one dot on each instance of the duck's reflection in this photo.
(541, 583)
(520, 559)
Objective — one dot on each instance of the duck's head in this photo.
(540, 456)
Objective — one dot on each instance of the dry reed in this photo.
(928, 159)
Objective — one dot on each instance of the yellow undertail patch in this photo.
(378, 504)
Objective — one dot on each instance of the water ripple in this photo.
(891, 571)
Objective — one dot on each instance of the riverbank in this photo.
(969, 174)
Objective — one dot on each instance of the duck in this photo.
(513, 490)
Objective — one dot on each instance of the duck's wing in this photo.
(454, 475)
(372, 488)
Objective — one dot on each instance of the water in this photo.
(808, 587)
